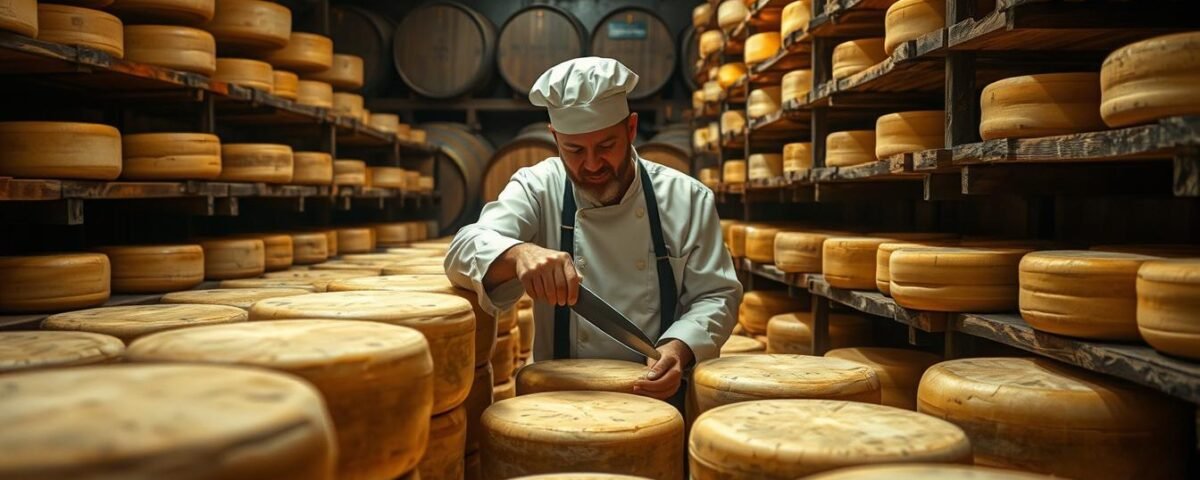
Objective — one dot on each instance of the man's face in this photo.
(600, 163)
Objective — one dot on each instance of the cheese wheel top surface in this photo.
(268, 283)
(580, 476)
(1171, 271)
(413, 309)
(234, 297)
(766, 375)
(37, 349)
(397, 283)
(1081, 262)
(581, 417)
(931, 471)
(580, 374)
(739, 344)
(130, 322)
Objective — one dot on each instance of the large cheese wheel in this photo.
(734, 171)
(1041, 106)
(355, 240)
(397, 269)
(345, 73)
(736, 238)
(795, 17)
(739, 345)
(899, 371)
(277, 250)
(797, 157)
(155, 268)
(640, 435)
(241, 298)
(729, 74)
(709, 176)
(20, 17)
(286, 84)
(83, 27)
(251, 24)
(792, 333)
(790, 438)
(1168, 301)
(730, 13)
(1084, 294)
(386, 177)
(181, 12)
(478, 399)
(855, 56)
(760, 47)
(762, 166)
(956, 279)
(506, 320)
(174, 421)
(388, 122)
(883, 258)
(525, 323)
(247, 73)
(377, 379)
(298, 284)
(319, 279)
(503, 361)
(182, 48)
(712, 91)
(349, 172)
(760, 242)
(849, 148)
(309, 248)
(312, 168)
(702, 15)
(579, 375)
(849, 262)
(926, 471)
(1151, 79)
(908, 20)
(21, 351)
(86, 151)
(444, 458)
(446, 321)
(1057, 419)
(256, 162)
(391, 234)
(227, 258)
(907, 132)
(314, 93)
(341, 265)
(171, 156)
(759, 306)
(130, 322)
(763, 101)
(800, 252)
(52, 283)
(795, 85)
(744, 378)
(332, 237)
(304, 53)
(711, 42)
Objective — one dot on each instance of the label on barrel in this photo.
(627, 30)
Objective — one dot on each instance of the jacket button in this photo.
(641, 212)
(641, 264)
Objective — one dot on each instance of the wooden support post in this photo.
(820, 339)
(1187, 172)
(820, 129)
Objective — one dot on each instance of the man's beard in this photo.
(610, 191)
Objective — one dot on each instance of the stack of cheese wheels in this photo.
(899, 371)
(702, 15)
(745, 378)
(1057, 419)
(800, 252)
(446, 321)
(479, 398)
(504, 391)
(241, 298)
(52, 283)
(251, 24)
(503, 360)
(792, 333)
(387, 122)
(86, 151)
(795, 17)
(387, 177)
(849, 262)
(355, 240)
(173, 12)
(579, 375)
(82, 27)
(734, 171)
(312, 168)
(760, 242)
(227, 258)
(526, 324)
(248, 73)
(736, 239)
(909, 132)
(855, 56)
(171, 156)
(797, 157)
(347, 105)
(1086, 294)
(760, 47)
(763, 166)
(130, 322)
(710, 177)
(945, 279)
(256, 162)
(20, 17)
(309, 248)
(849, 148)
(729, 74)
(1168, 299)
(739, 345)
(1151, 79)
(286, 84)
(1041, 105)
(641, 436)
(154, 268)
(349, 172)
(763, 101)
(731, 13)
(377, 379)
(21, 351)
(795, 85)
(791, 438)
(759, 306)
(314, 93)
(181, 48)
(271, 426)
(908, 20)
(346, 72)
(925, 471)
(446, 454)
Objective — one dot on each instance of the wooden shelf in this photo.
(33, 321)
(1028, 25)
(880, 305)
(915, 66)
(849, 18)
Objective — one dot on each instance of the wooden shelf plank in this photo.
(875, 303)
(1155, 141)
(1019, 25)
(850, 18)
(33, 321)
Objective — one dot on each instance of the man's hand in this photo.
(666, 373)
(548, 275)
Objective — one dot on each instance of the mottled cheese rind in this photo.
(34, 350)
(745, 378)
(579, 375)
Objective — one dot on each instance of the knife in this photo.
(599, 313)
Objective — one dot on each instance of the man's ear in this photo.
(632, 124)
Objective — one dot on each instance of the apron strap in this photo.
(562, 315)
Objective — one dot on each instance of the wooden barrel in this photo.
(463, 155)
(357, 31)
(444, 50)
(639, 39)
(534, 39)
(532, 144)
(689, 52)
(671, 147)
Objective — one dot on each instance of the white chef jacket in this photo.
(614, 254)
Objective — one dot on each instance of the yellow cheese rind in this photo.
(739, 345)
(849, 262)
(314, 93)
(251, 24)
(83, 27)
(241, 298)
(908, 20)
(761, 46)
(791, 333)
(855, 56)
(346, 72)
(795, 17)
(1168, 300)
(131, 322)
(304, 53)
(711, 42)
(728, 75)
(504, 391)
(229, 258)
(181, 48)
(285, 84)
(478, 400)
(762, 166)
(387, 122)
(387, 177)
(702, 15)
(926, 471)
(1085, 294)
(37, 350)
(943, 279)
(171, 156)
(248, 73)
(444, 458)
(309, 248)
(312, 168)
(730, 13)
(68, 150)
(909, 132)
(154, 268)
(256, 162)
(763, 101)
(760, 243)
(1041, 106)
(795, 85)
(797, 157)
(745, 378)
(503, 360)
(318, 279)
(20, 17)
(599, 375)
(710, 177)
(174, 12)
(355, 240)
(849, 148)
(735, 240)
(525, 324)
(758, 307)
(349, 172)
(899, 371)
(347, 105)
(733, 171)
(54, 282)
(1151, 79)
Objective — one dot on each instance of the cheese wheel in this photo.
(506, 320)
(710, 177)
(702, 15)
(355, 240)
(525, 323)
(374, 270)
(640, 435)
(241, 298)
(68, 150)
(792, 333)
(795, 18)
(763, 166)
(909, 132)
(1154, 250)
(319, 279)
(391, 234)
(181, 48)
(800, 252)
(251, 24)
(503, 391)
(247, 73)
(849, 262)
(347, 105)
(256, 162)
(131, 322)
(331, 238)
(730, 13)
(1085, 294)
(445, 320)
(348, 362)
(925, 472)
(956, 279)
(580, 476)
(883, 258)
(734, 171)
(908, 20)
(849, 148)
(855, 56)
(698, 100)
(736, 241)
(54, 282)
(745, 378)
(1041, 106)
(272, 426)
(760, 242)
(154, 268)
(286, 84)
(35, 350)
(228, 258)
(711, 42)
(1058, 419)
(174, 12)
(478, 399)
(434, 270)
(345, 73)
(1167, 304)
(312, 168)
(170, 156)
(763, 101)
(82, 27)
(425, 182)
(899, 371)
(761, 46)
(797, 157)
(349, 172)
(277, 250)
(20, 17)
(729, 74)
(1151, 79)
(712, 91)
(387, 177)
(792, 438)
(314, 93)
(579, 375)
(795, 85)
(387, 122)
(309, 248)
(502, 359)
(739, 345)
(444, 458)
(304, 53)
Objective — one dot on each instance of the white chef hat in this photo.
(584, 94)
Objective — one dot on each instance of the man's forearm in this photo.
(503, 269)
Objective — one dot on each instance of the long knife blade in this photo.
(599, 313)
